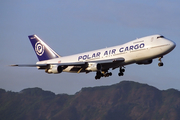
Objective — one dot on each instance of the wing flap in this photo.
(110, 61)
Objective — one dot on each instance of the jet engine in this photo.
(54, 69)
(94, 67)
(145, 62)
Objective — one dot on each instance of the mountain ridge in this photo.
(125, 100)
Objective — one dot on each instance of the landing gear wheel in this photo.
(107, 74)
(121, 71)
(121, 74)
(160, 64)
(110, 74)
(98, 75)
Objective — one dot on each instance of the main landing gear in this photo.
(121, 71)
(160, 62)
(100, 74)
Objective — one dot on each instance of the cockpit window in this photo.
(160, 37)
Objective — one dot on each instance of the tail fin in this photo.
(42, 50)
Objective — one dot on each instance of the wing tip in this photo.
(13, 65)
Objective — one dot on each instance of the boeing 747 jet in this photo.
(139, 51)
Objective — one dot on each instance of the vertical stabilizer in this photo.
(42, 50)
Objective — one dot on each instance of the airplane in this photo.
(141, 51)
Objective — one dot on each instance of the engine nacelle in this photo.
(145, 62)
(94, 67)
(54, 69)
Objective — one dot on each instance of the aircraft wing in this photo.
(79, 64)
(46, 65)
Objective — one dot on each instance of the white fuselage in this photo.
(146, 48)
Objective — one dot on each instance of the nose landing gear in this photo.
(160, 64)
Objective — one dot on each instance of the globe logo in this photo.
(39, 49)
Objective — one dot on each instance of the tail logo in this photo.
(39, 48)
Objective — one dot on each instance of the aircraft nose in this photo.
(173, 44)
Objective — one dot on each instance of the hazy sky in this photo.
(76, 26)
